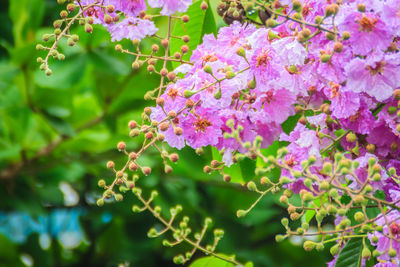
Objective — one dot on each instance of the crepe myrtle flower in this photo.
(132, 28)
(367, 32)
(378, 75)
(169, 7)
(131, 8)
(201, 127)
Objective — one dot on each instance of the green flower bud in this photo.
(335, 250)
(392, 253)
(359, 216)
(241, 213)
(366, 253)
(308, 245)
(188, 93)
(279, 238)
(100, 202)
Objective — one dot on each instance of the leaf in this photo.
(201, 22)
(350, 255)
(210, 262)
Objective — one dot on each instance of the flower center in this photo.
(173, 93)
(269, 96)
(377, 69)
(263, 59)
(367, 24)
(234, 40)
(201, 124)
(209, 58)
(335, 89)
(395, 228)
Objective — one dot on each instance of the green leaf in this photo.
(201, 22)
(350, 255)
(210, 261)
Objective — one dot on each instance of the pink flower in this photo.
(378, 75)
(132, 28)
(169, 7)
(202, 128)
(131, 8)
(368, 32)
(268, 101)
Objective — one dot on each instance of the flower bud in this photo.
(121, 146)
(251, 186)
(100, 202)
(203, 5)
(335, 250)
(392, 253)
(338, 47)
(308, 245)
(241, 213)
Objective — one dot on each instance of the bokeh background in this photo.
(58, 132)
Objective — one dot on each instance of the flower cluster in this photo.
(333, 66)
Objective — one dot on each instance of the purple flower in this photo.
(368, 32)
(131, 8)
(343, 103)
(202, 128)
(132, 28)
(268, 101)
(378, 75)
(290, 50)
(169, 7)
(391, 14)
(361, 122)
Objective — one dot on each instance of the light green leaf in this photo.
(201, 22)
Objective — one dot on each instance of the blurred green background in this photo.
(57, 133)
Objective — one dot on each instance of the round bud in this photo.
(227, 178)
(174, 157)
(110, 8)
(346, 35)
(325, 58)
(392, 253)
(351, 137)
(396, 94)
(88, 28)
(146, 170)
(155, 47)
(108, 19)
(118, 197)
(359, 216)
(164, 72)
(361, 7)
(110, 164)
(185, 18)
(338, 47)
(165, 43)
(186, 38)
(203, 5)
(121, 146)
(207, 169)
(184, 49)
(172, 114)
(71, 7)
(100, 202)
(133, 167)
(308, 245)
(171, 76)
(48, 72)
(101, 183)
(178, 131)
(132, 124)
